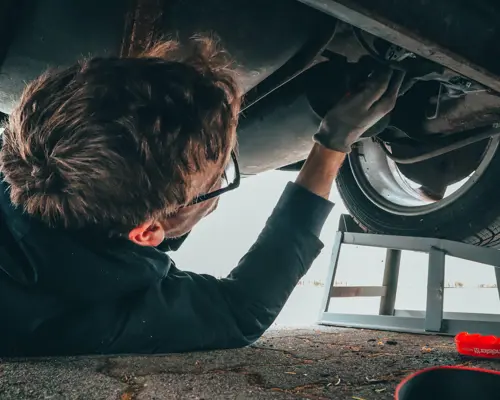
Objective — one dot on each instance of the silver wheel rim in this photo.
(383, 184)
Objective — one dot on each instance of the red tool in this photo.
(476, 345)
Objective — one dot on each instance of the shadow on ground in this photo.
(290, 364)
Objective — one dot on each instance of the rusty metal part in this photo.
(142, 26)
(465, 113)
(458, 35)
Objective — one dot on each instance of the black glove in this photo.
(352, 116)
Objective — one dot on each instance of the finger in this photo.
(395, 84)
(388, 100)
(376, 86)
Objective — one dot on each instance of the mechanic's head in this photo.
(124, 145)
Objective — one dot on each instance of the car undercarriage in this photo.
(428, 169)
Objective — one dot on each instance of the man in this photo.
(104, 161)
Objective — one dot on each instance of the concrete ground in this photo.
(322, 363)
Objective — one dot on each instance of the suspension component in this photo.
(447, 145)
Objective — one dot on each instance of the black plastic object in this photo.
(450, 383)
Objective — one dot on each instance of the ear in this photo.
(150, 233)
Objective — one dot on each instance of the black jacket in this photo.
(69, 293)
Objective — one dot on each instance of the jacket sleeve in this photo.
(187, 311)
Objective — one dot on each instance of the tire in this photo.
(474, 217)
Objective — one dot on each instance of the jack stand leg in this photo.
(390, 281)
(330, 280)
(435, 291)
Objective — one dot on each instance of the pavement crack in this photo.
(285, 352)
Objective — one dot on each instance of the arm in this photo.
(320, 170)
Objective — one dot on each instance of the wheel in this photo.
(382, 200)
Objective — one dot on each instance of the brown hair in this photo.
(112, 142)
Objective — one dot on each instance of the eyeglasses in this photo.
(230, 181)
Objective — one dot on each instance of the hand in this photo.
(352, 116)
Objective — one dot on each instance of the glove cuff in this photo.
(325, 140)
